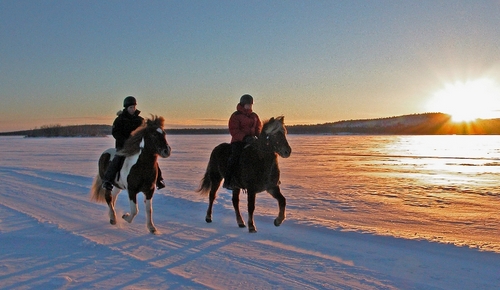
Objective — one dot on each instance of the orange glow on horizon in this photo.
(468, 101)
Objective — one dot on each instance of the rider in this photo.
(126, 122)
(244, 127)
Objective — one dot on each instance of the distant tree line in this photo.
(422, 124)
(416, 124)
(194, 131)
(70, 131)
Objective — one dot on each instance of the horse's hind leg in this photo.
(251, 209)
(236, 205)
(110, 197)
(276, 193)
(149, 215)
(211, 198)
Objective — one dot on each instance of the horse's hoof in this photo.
(252, 230)
(242, 225)
(277, 222)
(153, 231)
(208, 220)
(113, 222)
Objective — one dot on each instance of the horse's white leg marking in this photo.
(149, 215)
(112, 213)
(134, 209)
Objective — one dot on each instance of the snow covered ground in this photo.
(53, 237)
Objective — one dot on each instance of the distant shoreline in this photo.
(416, 124)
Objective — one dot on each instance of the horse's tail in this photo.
(205, 183)
(215, 169)
(97, 193)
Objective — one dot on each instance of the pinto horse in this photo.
(257, 171)
(139, 170)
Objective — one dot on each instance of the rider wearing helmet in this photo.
(126, 122)
(244, 127)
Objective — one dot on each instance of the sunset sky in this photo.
(73, 62)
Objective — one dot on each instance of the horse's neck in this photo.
(263, 150)
(146, 154)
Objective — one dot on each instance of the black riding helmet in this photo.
(246, 99)
(129, 101)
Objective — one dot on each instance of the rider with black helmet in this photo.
(126, 122)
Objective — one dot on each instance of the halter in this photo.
(268, 147)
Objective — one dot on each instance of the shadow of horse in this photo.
(257, 171)
(138, 173)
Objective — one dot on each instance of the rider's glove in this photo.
(250, 139)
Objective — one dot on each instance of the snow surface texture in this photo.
(53, 237)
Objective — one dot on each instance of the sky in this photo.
(73, 62)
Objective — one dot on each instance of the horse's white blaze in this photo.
(159, 130)
(127, 165)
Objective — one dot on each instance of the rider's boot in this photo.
(160, 184)
(159, 180)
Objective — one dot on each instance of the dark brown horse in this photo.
(139, 170)
(258, 171)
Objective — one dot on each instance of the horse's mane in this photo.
(273, 125)
(133, 144)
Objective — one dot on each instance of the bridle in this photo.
(269, 145)
(155, 139)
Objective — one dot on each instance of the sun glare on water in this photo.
(468, 101)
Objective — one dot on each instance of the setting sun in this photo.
(467, 101)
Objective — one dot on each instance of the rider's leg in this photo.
(110, 174)
(232, 163)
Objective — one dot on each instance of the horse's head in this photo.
(157, 136)
(150, 137)
(274, 136)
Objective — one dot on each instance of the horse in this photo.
(257, 171)
(139, 170)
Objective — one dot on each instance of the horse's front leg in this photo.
(134, 209)
(149, 215)
(236, 205)
(251, 209)
(276, 193)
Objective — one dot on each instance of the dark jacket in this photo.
(244, 123)
(123, 125)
